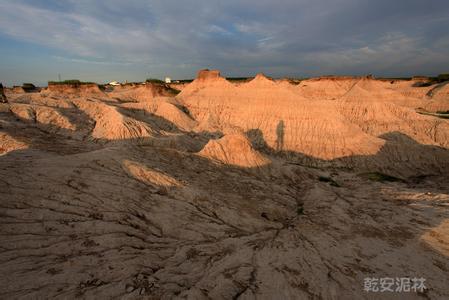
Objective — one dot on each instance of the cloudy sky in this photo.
(136, 39)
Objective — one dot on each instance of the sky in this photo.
(132, 40)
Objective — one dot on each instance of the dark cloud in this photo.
(287, 37)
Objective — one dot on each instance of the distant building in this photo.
(167, 80)
(114, 83)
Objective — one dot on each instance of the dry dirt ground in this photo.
(261, 190)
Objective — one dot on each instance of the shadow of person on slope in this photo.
(280, 132)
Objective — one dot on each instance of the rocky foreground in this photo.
(263, 189)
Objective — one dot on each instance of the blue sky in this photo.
(136, 39)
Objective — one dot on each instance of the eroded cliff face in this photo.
(2, 95)
(258, 190)
(73, 90)
(207, 74)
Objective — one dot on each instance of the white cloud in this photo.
(217, 29)
(81, 34)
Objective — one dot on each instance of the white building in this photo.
(167, 80)
(114, 83)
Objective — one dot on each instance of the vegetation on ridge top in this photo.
(71, 81)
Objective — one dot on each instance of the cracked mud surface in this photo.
(138, 212)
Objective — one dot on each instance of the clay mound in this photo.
(111, 125)
(260, 81)
(414, 88)
(370, 89)
(377, 118)
(265, 89)
(326, 88)
(206, 79)
(173, 114)
(49, 119)
(404, 157)
(234, 149)
(262, 87)
(439, 91)
(141, 93)
(436, 106)
(51, 116)
(408, 95)
(2, 95)
(72, 90)
(9, 143)
(23, 111)
(439, 96)
(164, 107)
(39, 99)
(149, 176)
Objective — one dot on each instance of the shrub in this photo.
(294, 81)
(422, 84)
(173, 91)
(185, 80)
(28, 86)
(238, 79)
(154, 80)
(443, 77)
(439, 79)
(70, 81)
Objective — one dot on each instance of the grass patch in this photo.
(158, 82)
(435, 80)
(239, 79)
(173, 91)
(440, 78)
(429, 81)
(328, 180)
(184, 80)
(294, 81)
(381, 177)
(395, 78)
(154, 80)
(70, 81)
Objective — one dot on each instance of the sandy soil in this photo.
(255, 190)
